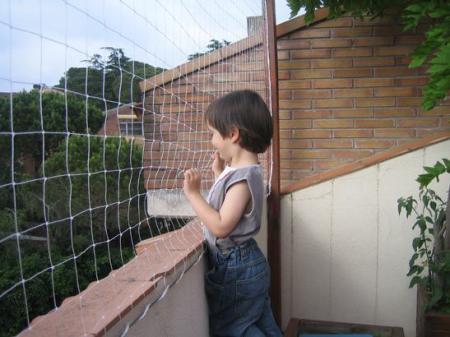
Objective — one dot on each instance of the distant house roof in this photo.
(131, 111)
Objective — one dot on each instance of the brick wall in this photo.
(175, 136)
(346, 92)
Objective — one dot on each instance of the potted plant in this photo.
(429, 266)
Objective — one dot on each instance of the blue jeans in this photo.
(237, 285)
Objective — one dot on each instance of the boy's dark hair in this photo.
(245, 110)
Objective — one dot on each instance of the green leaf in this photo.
(447, 164)
(417, 243)
(415, 8)
(416, 280)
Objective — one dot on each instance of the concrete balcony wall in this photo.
(345, 249)
(180, 310)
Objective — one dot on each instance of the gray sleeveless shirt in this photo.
(250, 222)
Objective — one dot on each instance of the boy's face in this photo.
(221, 144)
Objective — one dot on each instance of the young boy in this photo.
(237, 281)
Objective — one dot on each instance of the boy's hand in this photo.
(192, 181)
(218, 164)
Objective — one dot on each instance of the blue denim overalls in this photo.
(237, 285)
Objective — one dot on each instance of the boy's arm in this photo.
(221, 223)
(218, 164)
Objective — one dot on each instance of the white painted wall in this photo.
(181, 311)
(345, 249)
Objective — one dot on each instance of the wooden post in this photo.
(273, 202)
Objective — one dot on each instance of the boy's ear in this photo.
(234, 134)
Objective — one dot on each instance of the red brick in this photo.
(311, 134)
(327, 164)
(285, 154)
(338, 22)
(313, 114)
(415, 81)
(374, 144)
(360, 112)
(296, 144)
(394, 112)
(394, 71)
(333, 83)
(394, 91)
(309, 32)
(332, 123)
(297, 104)
(409, 101)
(284, 75)
(390, 30)
(356, 72)
(331, 43)
(248, 66)
(436, 111)
(296, 164)
(402, 60)
(311, 154)
(257, 76)
(285, 134)
(331, 63)
(352, 154)
(294, 64)
(296, 124)
(374, 61)
(379, 21)
(373, 82)
(285, 173)
(394, 50)
(418, 123)
(284, 115)
(292, 44)
(349, 32)
(310, 53)
(353, 133)
(333, 143)
(352, 52)
(284, 94)
(283, 55)
(374, 102)
(374, 123)
(414, 40)
(362, 92)
(304, 84)
(317, 93)
(373, 41)
(304, 74)
(394, 133)
(333, 103)
(426, 132)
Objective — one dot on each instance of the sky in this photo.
(40, 39)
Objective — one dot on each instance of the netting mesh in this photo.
(101, 112)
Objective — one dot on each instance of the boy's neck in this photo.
(243, 158)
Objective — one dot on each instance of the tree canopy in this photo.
(213, 45)
(434, 52)
(111, 82)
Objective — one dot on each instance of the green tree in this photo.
(434, 52)
(212, 45)
(108, 201)
(32, 114)
(111, 82)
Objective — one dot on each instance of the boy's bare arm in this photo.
(221, 223)
(218, 165)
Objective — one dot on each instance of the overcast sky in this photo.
(40, 39)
